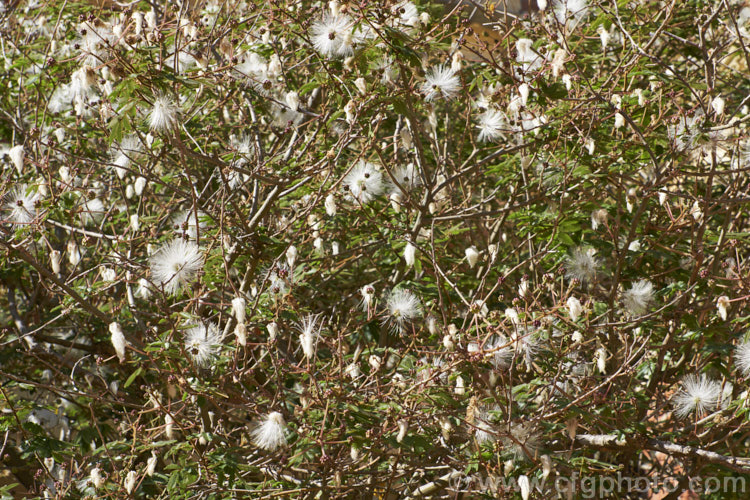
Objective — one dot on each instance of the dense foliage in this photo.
(371, 249)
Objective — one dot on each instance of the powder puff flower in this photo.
(699, 394)
(309, 332)
(92, 212)
(722, 304)
(441, 81)
(187, 223)
(637, 299)
(270, 433)
(20, 205)
(484, 432)
(491, 124)
(202, 343)
(501, 351)
(364, 182)
(163, 115)
(582, 264)
(176, 264)
(742, 358)
(526, 342)
(332, 36)
(402, 308)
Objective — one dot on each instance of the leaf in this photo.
(132, 377)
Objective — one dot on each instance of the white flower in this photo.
(163, 115)
(582, 264)
(441, 81)
(403, 307)
(309, 331)
(722, 304)
(718, 104)
(19, 204)
(291, 255)
(270, 433)
(151, 464)
(637, 299)
(202, 343)
(332, 35)
(118, 340)
(742, 358)
(501, 351)
(176, 264)
(364, 182)
(483, 429)
(330, 205)
(491, 125)
(574, 308)
(186, 222)
(698, 394)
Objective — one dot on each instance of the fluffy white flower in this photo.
(309, 332)
(92, 212)
(501, 351)
(19, 205)
(441, 81)
(364, 182)
(491, 124)
(270, 433)
(130, 481)
(332, 35)
(581, 265)
(484, 432)
(742, 358)
(402, 307)
(202, 343)
(176, 264)
(699, 394)
(163, 115)
(637, 299)
(472, 256)
(118, 340)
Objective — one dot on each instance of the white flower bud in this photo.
(523, 91)
(292, 100)
(151, 465)
(403, 427)
(472, 256)
(129, 192)
(576, 337)
(74, 255)
(460, 386)
(410, 254)
(169, 426)
(16, 155)
(318, 245)
(374, 362)
(118, 340)
(523, 483)
(722, 304)
(353, 371)
(238, 309)
(568, 81)
(291, 256)
(140, 184)
(130, 481)
(54, 258)
(619, 120)
(330, 205)
(361, 85)
(601, 360)
(349, 110)
(273, 330)
(240, 331)
(334, 247)
(395, 199)
(574, 308)
(135, 223)
(718, 104)
(546, 466)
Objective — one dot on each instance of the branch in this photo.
(738, 464)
